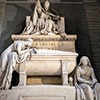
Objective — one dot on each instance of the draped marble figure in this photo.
(87, 80)
(17, 52)
(43, 21)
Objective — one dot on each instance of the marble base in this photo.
(39, 92)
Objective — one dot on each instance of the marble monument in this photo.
(43, 49)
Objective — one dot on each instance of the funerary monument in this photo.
(44, 56)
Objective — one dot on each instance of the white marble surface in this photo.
(39, 92)
(54, 52)
(48, 62)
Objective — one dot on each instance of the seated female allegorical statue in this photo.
(87, 80)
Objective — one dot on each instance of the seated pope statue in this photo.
(44, 22)
(17, 52)
(87, 80)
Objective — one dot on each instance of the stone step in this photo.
(96, 54)
(97, 73)
(95, 38)
(93, 34)
(92, 8)
(95, 50)
(97, 66)
(96, 11)
(97, 59)
(93, 42)
(94, 22)
(97, 23)
(95, 46)
(94, 27)
(90, 1)
(95, 19)
(95, 30)
(97, 70)
(93, 15)
(39, 92)
(96, 42)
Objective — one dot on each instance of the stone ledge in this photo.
(45, 37)
(39, 92)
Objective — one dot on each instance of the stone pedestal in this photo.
(38, 92)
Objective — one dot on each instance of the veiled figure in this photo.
(14, 54)
(87, 80)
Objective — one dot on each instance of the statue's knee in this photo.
(86, 87)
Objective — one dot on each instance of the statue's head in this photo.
(46, 5)
(85, 61)
(29, 42)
